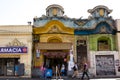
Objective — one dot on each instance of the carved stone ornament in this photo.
(101, 12)
(15, 43)
(80, 23)
(54, 11)
(103, 29)
(54, 29)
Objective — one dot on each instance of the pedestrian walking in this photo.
(75, 68)
(85, 71)
(63, 70)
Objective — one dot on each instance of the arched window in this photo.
(104, 44)
(54, 40)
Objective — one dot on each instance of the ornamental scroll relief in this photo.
(54, 29)
(15, 43)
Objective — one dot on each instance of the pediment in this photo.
(53, 26)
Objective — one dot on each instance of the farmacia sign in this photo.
(13, 49)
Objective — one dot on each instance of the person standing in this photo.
(63, 70)
(85, 71)
(75, 68)
(48, 73)
(16, 70)
(42, 69)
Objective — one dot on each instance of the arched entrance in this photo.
(55, 57)
(54, 52)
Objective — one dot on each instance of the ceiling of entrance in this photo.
(53, 46)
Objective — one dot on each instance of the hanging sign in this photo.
(13, 50)
(37, 53)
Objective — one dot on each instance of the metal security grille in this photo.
(105, 65)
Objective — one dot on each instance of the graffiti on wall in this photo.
(105, 65)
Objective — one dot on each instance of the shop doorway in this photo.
(7, 66)
(52, 62)
(55, 57)
(81, 52)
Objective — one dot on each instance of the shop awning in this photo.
(54, 46)
(9, 55)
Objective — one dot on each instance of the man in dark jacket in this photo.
(85, 71)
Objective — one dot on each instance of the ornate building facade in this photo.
(92, 40)
(97, 35)
(54, 37)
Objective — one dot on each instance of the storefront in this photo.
(7, 66)
(10, 58)
(54, 53)
(15, 50)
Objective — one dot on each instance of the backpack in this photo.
(74, 68)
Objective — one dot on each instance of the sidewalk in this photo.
(62, 78)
